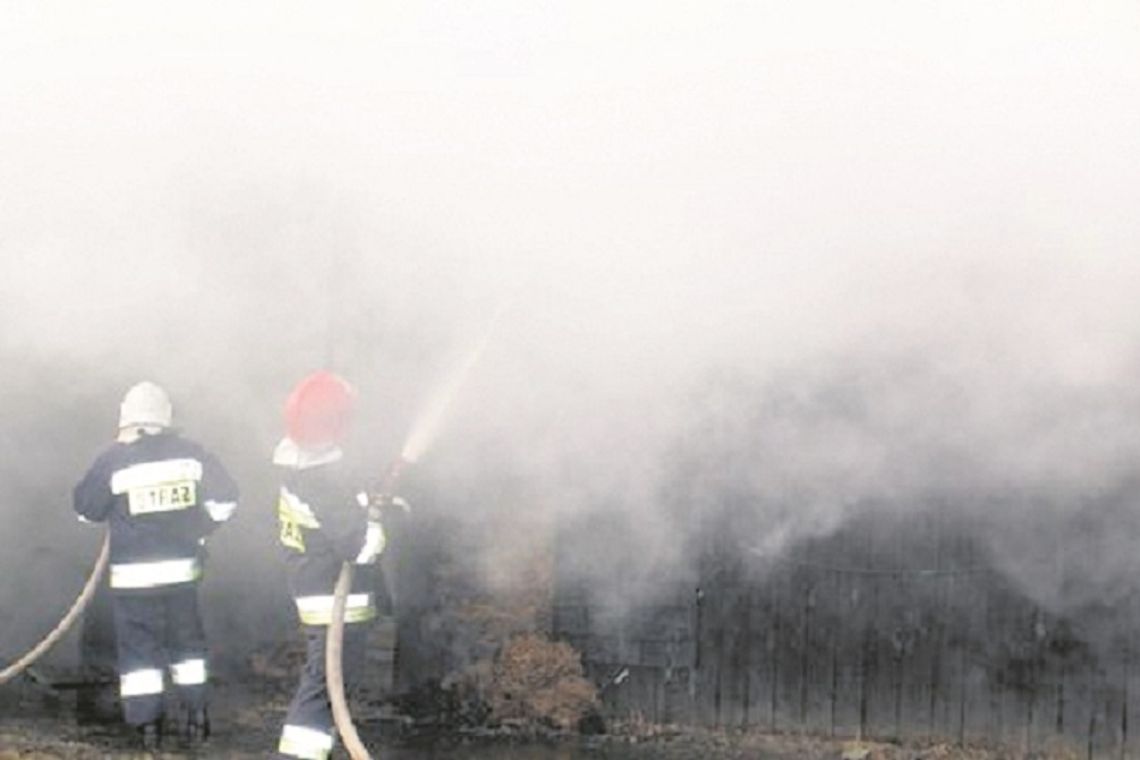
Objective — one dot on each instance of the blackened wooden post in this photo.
(899, 641)
(836, 632)
(962, 693)
(805, 646)
(657, 683)
(966, 557)
(1032, 675)
(1092, 730)
(868, 660)
(746, 654)
(695, 680)
(720, 593)
(867, 654)
(1125, 675)
(698, 627)
(695, 677)
(773, 656)
(864, 667)
(1097, 683)
(939, 633)
(1061, 679)
(994, 679)
(1030, 701)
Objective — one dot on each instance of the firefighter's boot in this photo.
(150, 735)
(197, 727)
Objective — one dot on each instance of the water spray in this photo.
(424, 430)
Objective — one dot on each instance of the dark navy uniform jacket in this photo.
(324, 522)
(161, 495)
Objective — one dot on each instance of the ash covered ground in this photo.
(468, 719)
(523, 704)
(40, 736)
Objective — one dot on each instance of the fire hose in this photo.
(334, 642)
(334, 675)
(57, 633)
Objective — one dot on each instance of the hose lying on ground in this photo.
(20, 665)
(334, 674)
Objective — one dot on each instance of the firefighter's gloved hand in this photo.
(384, 501)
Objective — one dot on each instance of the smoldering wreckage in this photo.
(896, 634)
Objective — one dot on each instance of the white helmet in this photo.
(146, 403)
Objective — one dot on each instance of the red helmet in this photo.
(318, 409)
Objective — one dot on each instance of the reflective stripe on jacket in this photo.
(160, 495)
(323, 522)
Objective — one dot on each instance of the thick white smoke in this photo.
(927, 210)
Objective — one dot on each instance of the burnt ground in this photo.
(57, 739)
(508, 708)
(248, 705)
(246, 716)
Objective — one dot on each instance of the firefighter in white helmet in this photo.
(161, 494)
(324, 521)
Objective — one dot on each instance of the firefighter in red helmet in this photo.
(324, 521)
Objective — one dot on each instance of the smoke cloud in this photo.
(829, 256)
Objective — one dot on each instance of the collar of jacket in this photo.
(290, 454)
(132, 433)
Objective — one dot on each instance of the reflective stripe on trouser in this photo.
(309, 708)
(189, 672)
(152, 630)
(305, 742)
(317, 610)
(138, 575)
(140, 683)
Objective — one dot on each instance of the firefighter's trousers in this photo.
(158, 631)
(308, 732)
(98, 700)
